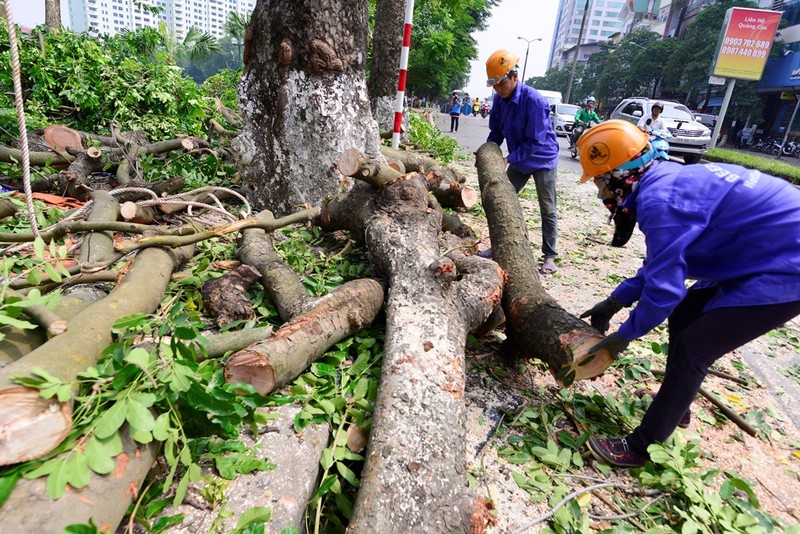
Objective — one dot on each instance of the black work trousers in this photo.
(696, 340)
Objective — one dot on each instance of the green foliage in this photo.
(442, 44)
(771, 166)
(86, 83)
(162, 394)
(340, 390)
(431, 138)
(223, 85)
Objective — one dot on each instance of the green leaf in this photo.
(97, 457)
(16, 323)
(138, 414)
(52, 273)
(39, 247)
(347, 474)
(161, 427)
(257, 515)
(57, 480)
(7, 483)
(77, 471)
(111, 420)
(163, 523)
(76, 528)
(139, 357)
(324, 487)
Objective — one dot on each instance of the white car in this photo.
(563, 117)
(690, 139)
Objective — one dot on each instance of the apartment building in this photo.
(114, 16)
(602, 21)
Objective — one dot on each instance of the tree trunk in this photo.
(73, 351)
(304, 101)
(289, 351)
(105, 499)
(52, 15)
(387, 41)
(414, 479)
(535, 323)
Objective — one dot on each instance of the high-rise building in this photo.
(602, 21)
(114, 16)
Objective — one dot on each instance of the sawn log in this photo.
(536, 325)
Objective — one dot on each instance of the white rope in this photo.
(23, 133)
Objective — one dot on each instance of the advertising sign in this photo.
(744, 44)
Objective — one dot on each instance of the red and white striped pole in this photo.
(401, 82)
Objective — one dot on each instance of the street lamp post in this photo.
(238, 43)
(529, 41)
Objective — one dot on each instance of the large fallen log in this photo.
(104, 500)
(97, 248)
(536, 325)
(282, 357)
(31, 426)
(414, 479)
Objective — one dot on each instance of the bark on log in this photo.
(289, 351)
(412, 161)
(64, 356)
(283, 286)
(97, 248)
(219, 344)
(225, 297)
(39, 159)
(350, 211)
(452, 223)
(41, 315)
(7, 208)
(536, 325)
(105, 499)
(414, 479)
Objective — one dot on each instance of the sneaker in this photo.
(615, 452)
(685, 421)
(485, 254)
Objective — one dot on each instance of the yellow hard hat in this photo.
(498, 65)
(608, 145)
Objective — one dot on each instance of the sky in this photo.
(530, 19)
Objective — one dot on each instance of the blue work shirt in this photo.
(523, 121)
(723, 225)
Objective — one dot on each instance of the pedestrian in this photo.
(455, 111)
(735, 230)
(521, 117)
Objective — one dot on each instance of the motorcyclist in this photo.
(735, 230)
(476, 106)
(654, 121)
(583, 119)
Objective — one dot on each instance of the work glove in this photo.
(602, 312)
(613, 343)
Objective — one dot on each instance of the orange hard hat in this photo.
(608, 145)
(499, 64)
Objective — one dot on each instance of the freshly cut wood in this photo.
(415, 459)
(456, 195)
(226, 298)
(281, 282)
(34, 427)
(59, 137)
(79, 347)
(536, 325)
(371, 170)
(104, 500)
(132, 212)
(290, 350)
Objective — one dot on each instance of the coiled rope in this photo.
(23, 132)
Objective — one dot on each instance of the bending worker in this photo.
(521, 117)
(734, 230)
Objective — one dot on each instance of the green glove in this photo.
(602, 312)
(613, 343)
